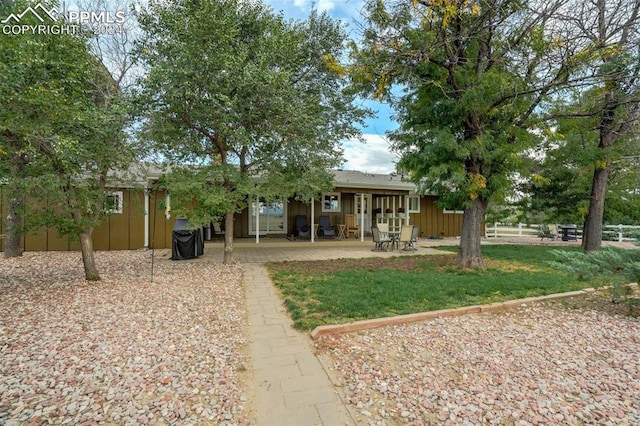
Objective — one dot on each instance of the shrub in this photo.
(614, 266)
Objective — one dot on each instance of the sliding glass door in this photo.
(269, 218)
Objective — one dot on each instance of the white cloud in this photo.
(373, 156)
(326, 5)
(300, 8)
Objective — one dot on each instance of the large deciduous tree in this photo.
(61, 125)
(465, 77)
(241, 103)
(608, 31)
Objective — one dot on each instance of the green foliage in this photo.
(610, 266)
(473, 75)
(252, 98)
(560, 180)
(61, 121)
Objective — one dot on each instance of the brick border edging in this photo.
(421, 316)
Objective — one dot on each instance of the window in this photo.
(113, 202)
(414, 204)
(331, 202)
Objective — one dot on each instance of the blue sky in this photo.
(373, 156)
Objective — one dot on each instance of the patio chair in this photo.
(326, 228)
(302, 229)
(381, 243)
(352, 226)
(406, 234)
(384, 229)
(410, 246)
(217, 231)
(549, 231)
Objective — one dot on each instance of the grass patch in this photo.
(345, 290)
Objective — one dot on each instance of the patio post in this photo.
(313, 228)
(257, 219)
(362, 210)
(406, 209)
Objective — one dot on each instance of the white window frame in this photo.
(414, 199)
(328, 196)
(119, 202)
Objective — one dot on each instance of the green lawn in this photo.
(345, 290)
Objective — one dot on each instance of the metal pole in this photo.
(257, 219)
(153, 239)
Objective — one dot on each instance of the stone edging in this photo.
(403, 319)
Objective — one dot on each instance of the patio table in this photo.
(394, 236)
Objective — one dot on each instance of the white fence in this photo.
(522, 230)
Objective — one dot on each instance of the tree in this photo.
(75, 163)
(62, 121)
(472, 73)
(243, 105)
(595, 117)
(609, 31)
(562, 168)
(11, 148)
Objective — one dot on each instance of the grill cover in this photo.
(186, 243)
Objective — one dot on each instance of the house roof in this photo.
(143, 174)
(137, 175)
(361, 180)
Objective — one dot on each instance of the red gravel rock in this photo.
(124, 349)
(539, 364)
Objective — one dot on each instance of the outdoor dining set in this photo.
(384, 237)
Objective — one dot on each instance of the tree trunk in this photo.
(15, 202)
(86, 244)
(12, 242)
(592, 233)
(470, 255)
(228, 238)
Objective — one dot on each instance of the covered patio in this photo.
(245, 250)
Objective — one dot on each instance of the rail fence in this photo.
(522, 230)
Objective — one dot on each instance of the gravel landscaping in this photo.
(540, 364)
(122, 350)
(125, 351)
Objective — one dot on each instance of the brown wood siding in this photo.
(118, 224)
(101, 236)
(126, 230)
(55, 242)
(34, 241)
(240, 223)
(433, 222)
(160, 229)
(136, 220)
(123, 231)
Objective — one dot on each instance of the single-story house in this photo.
(367, 195)
(130, 225)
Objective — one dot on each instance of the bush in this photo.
(613, 266)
